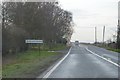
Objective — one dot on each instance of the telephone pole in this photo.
(103, 33)
(95, 34)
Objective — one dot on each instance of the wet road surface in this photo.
(80, 63)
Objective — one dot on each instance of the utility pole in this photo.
(103, 34)
(95, 35)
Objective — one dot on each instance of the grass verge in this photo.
(27, 64)
(115, 50)
(109, 48)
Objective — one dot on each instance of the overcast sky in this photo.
(90, 13)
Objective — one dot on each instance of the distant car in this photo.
(76, 42)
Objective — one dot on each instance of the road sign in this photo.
(33, 41)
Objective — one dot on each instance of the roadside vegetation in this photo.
(112, 49)
(31, 63)
(45, 21)
(110, 46)
(25, 63)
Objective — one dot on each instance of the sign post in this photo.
(33, 41)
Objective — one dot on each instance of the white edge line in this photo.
(48, 74)
(103, 58)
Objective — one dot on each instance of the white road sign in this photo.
(33, 41)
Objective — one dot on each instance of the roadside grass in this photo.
(25, 63)
(53, 47)
(58, 47)
(115, 50)
(109, 48)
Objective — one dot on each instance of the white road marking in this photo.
(103, 58)
(48, 74)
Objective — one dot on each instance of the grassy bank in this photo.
(52, 47)
(30, 63)
(108, 48)
(115, 50)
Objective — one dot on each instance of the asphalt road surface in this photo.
(81, 63)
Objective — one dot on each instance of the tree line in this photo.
(34, 20)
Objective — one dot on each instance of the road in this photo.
(81, 63)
